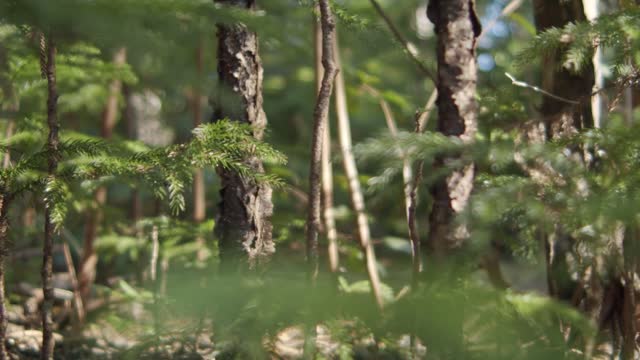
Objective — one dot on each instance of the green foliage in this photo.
(521, 190)
(617, 33)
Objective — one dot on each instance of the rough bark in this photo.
(457, 27)
(244, 221)
(320, 120)
(95, 216)
(53, 141)
(353, 181)
(327, 166)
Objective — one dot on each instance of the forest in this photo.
(319, 179)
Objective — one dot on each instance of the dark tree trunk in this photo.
(49, 227)
(457, 27)
(562, 119)
(609, 300)
(244, 221)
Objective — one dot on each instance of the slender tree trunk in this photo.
(327, 167)
(4, 233)
(199, 200)
(457, 27)
(199, 193)
(48, 341)
(5, 200)
(135, 211)
(95, 216)
(408, 178)
(320, 120)
(244, 221)
(598, 103)
(351, 171)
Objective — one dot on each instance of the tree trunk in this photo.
(48, 341)
(244, 221)
(4, 232)
(457, 27)
(598, 101)
(128, 114)
(5, 200)
(562, 119)
(320, 120)
(327, 167)
(95, 216)
(199, 200)
(610, 300)
(353, 181)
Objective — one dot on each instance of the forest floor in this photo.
(113, 337)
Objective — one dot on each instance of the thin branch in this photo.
(542, 91)
(420, 124)
(351, 171)
(409, 180)
(506, 11)
(155, 250)
(320, 116)
(401, 39)
(48, 341)
(79, 304)
(407, 172)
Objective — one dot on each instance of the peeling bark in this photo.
(244, 221)
(457, 28)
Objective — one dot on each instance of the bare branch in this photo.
(401, 39)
